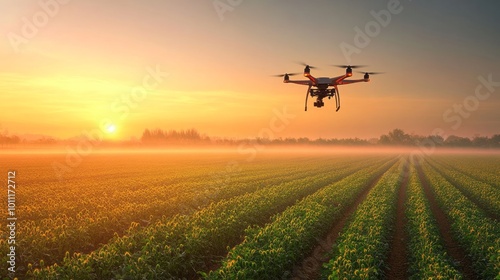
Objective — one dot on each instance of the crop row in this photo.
(484, 194)
(362, 246)
(477, 234)
(50, 238)
(112, 212)
(482, 168)
(270, 252)
(427, 256)
(181, 246)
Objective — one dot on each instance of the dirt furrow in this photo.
(450, 243)
(397, 261)
(310, 267)
(488, 211)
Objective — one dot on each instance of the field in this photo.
(223, 215)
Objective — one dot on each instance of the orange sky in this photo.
(181, 64)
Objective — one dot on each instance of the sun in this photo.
(111, 128)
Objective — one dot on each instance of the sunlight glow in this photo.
(111, 128)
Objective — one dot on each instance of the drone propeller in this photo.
(371, 73)
(350, 66)
(286, 74)
(307, 65)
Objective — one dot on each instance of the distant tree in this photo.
(46, 141)
(146, 136)
(436, 139)
(399, 137)
(396, 137)
(277, 141)
(352, 141)
(384, 140)
(9, 140)
(159, 134)
(495, 140)
(172, 136)
(457, 141)
(320, 141)
(481, 141)
(192, 134)
(263, 141)
(303, 140)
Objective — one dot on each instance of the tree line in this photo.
(399, 137)
(396, 137)
(182, 136)
(9, 140)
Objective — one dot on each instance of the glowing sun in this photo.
(111, 128)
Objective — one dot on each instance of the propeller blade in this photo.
(283, 75)
(305, 64)
(371, 73)
(351, 66)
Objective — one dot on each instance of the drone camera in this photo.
(319, 103)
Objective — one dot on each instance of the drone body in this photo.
(324, 86)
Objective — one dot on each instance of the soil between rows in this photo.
(451, 245)
(310, 266)
(489, 213)
(215, 262)
(397, 261)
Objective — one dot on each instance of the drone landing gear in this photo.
(337, 99)
(307, 95)
(322, 93)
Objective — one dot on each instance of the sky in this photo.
(70, 67)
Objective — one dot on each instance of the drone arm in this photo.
(312, 79)
(303, 82)
(346, 82)
(338, 80)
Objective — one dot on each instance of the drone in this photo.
(320, 87)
